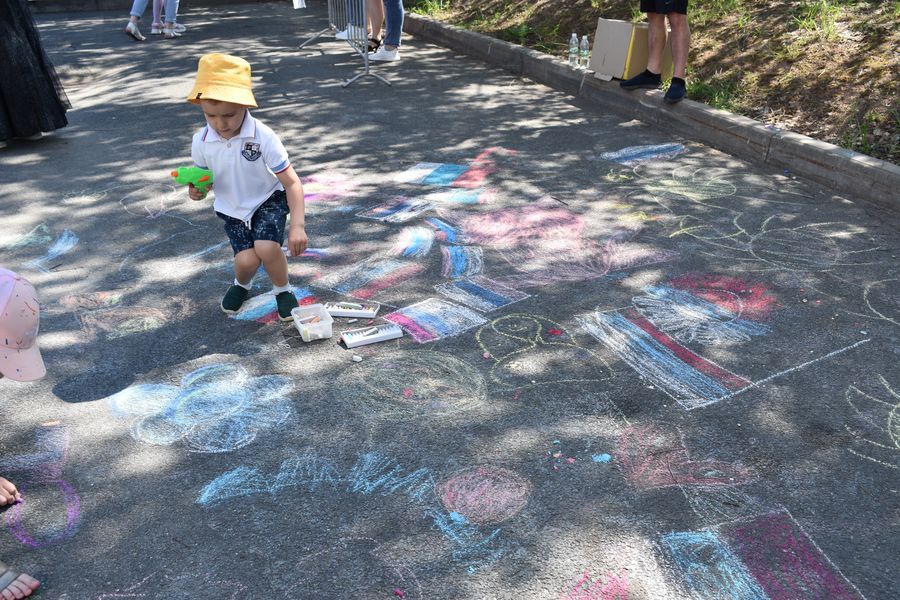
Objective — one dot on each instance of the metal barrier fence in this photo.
(348, 20)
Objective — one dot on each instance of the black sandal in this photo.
(374, 44)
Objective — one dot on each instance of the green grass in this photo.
(820, 17)
(707, 11)
(427, 7)
(718, 92)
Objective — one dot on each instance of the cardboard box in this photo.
(620, 50)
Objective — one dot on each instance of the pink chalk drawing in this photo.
(105, 313)
(652, 458)
(328, 186)
(785, 561)
(484, 494)
(544, 243)
(369, 277)
(742, 297)
(609, 587)
(36, 521)
(434, 319)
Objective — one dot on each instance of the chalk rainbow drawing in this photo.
(635, 155)
(609, 587)
(397, 210)
(64, 244)
(529, 350)
(445, 231)
(216, 408)
(372, 475)
(394, 384)
(543, 242)
(484, 494)
(366, 279)
(43, 490)
(413, 242)
(103, 313)
(685, 376)
(263, 308)
(433, 319)
(461, 261)
(877, 404)
(163, 583)
(480, 293)
(652, 458)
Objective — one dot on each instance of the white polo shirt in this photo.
(243, 167)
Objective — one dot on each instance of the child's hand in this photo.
(297, 240)
(195, 193)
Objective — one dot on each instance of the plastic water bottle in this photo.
(584, 52)
(573, 50)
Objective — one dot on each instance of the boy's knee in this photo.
(677, 21)
(267, 250)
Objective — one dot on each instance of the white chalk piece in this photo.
(369, 335)
(352, 309)
(357, 358)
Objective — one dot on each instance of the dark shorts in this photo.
(267, 223)
(664, 6)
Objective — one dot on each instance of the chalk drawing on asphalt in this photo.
(883, 299)
(765, 557)
(695, 184)
(39, 236)
(373, 476)
(327, 187)
(154, 201)
(413, 242)
(263, 308)
(398, 210)
(461, 261)
(877, 406)
(529, 350)
(104, 314)
(480, 293)
(50, 510)
(635, 155)
(355, 567)
(485, 494)
(611, 586)
(412, 383)
(165, 583)
(216, 408)
(461, 196)
(715, 504)
(446, 231)
(433, 319)
(63, 244)
(366, 279)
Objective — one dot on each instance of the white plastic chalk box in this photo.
(313, 322)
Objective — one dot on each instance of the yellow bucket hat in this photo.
(224, 78)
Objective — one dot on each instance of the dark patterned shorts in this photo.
(664, 6)
(267, 223)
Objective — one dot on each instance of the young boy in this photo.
(255, 184)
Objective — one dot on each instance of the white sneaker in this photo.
(170, 34)
(352, 31)
(132, 30)
(156, 29)
(385, 55)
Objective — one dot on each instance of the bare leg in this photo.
(274, 260)
(681, 41)
(656, 41)
(246, 264)
(375, 8)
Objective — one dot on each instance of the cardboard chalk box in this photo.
(620, 50)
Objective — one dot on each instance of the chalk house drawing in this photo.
(413, 383)
(216, 408)
(529, 350)
(876, 431)
(374, 476)
(433, 319)
(50, 510)
(765, 557)
(612, 586)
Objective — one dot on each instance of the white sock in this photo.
(247, 286)
(277, 289)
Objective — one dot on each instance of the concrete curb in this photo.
(844, 171)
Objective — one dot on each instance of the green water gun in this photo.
(200, 178)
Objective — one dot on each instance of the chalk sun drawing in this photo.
(609, 587)
(413, 242)
(461, 261)
(484, 495)
(372, 476)
(480, 293)
(433, 319)
(263, 308)
(394, 384)
(216, 408)
(366, 279)
(397, 210)
(877, 405)
(528, 350)
(635, 155)
(50, 510)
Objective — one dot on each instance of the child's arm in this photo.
(297, 239)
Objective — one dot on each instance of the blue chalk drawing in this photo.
(258, 307)
(635, 155)
(601, 458)
(449, 232)
(217, 408)
(480, 293)
(414, 242)
(710, 568)
(462, 261)
(40, 235)
(445, 174)
(456, 196)
(398, 210)
(63, 244)
(371, 475)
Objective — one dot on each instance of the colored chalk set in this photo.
(366, 310)
(369, 335)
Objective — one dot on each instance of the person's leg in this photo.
(171, 12)
(137, 10)
(375, 10)
(246, 264)
(656, 41)
(157, 16)
(274, 261)
(393, 12)
(681, 41)
(15, 585)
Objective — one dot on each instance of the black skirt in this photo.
(31, 97)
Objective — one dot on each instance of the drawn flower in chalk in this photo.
(877, 405)
(697, 185)
(217, 408)
(484, 494)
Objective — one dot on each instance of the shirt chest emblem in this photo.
(251, 151)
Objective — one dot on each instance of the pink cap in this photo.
(20, 316)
